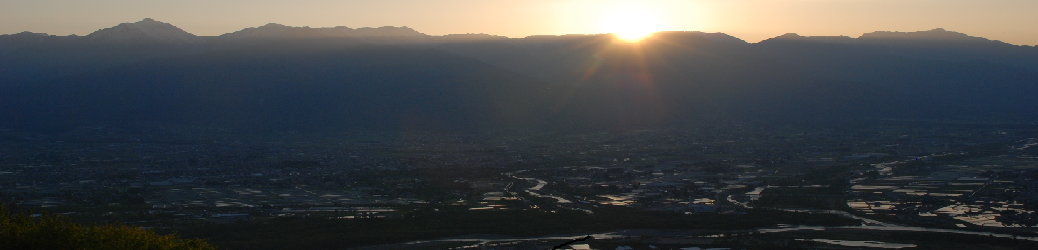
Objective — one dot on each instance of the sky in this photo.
(1011, 21)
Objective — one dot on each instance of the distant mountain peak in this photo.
(938, 34)
(273, 25)
(713, 37)
(29, 34)
(144, 31)
(825, 39)
(470, 37)
(274, 30)
(933, 35)
(403, 31)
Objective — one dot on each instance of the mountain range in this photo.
(277, 77)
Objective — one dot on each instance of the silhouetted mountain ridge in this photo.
(306, 85)
(278, 31)
(144, 31)
(282, 77)
(936, 44)
(938, 34)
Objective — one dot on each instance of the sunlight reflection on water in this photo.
(854, 243)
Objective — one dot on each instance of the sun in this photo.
(630, 22)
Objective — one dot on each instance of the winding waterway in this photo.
(868, 224)
(540, 184)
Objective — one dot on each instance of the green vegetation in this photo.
(49, 231)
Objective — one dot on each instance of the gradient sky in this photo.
(1012, 21)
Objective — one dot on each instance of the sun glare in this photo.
(630, 22)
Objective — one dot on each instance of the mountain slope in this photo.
(28, 58)
(312, 85)
(144, 31)
(688, 74)
(278, 31)
(281, 77)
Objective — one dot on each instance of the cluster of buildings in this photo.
(373, 174)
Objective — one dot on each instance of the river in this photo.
(868, 224)
(540, 184)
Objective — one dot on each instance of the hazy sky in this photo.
(1012, 21)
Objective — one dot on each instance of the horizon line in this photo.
(528, 36)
